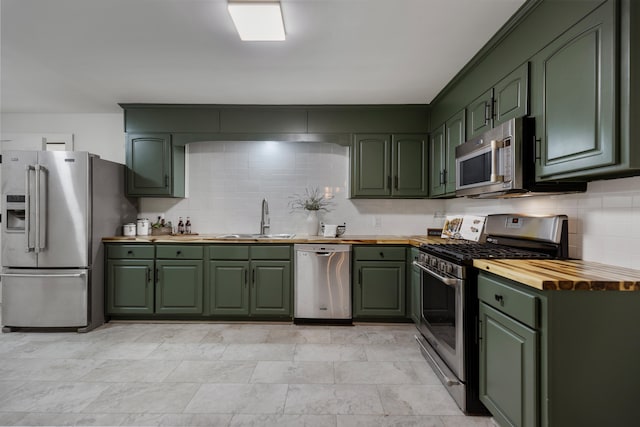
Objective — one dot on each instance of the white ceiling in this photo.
(89, 55)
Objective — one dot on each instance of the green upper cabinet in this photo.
(155, 167)
(384, 165)
(480, 114)
(409, 166)
(509, 98)
(574, 98)
(454, 136)
(370, 165)
(437, 162)
(442, 146)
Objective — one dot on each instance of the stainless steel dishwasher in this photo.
(322, 287)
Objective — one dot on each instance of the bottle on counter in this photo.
(187, 226)
(180, 226)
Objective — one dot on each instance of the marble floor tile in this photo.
(302, 335)
(143, 398)
(333, 399)
(174, 420)
(37, 396)
(55, 419)
(237, 335)
(62, 350)
(265, 351)
(46, 369)
(360, 336)
(189, 351)
(376, 373)
(389, 421)
(121, 370)
(293, 372)
(8, 387)
(246, 420)
(417, 400)
(177, 334)
(393, 353)
(239, 399)
(11, 418)
(467, 421)
(329, 353)
(120, 350)
(212, 371)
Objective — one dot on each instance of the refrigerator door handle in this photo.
(42, 275)
(27, 205)
(42, 212)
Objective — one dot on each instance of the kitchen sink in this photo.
(255, 236)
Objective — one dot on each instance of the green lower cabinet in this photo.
(380, 289)
(415, 287)
(130, 286)
(179, 286)
(508, 369)
(271, 288)
(229, 288)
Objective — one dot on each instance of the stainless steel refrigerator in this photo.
(57, 206)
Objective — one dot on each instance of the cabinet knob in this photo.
(499, 298)
(179, 253)
(129, 252)
(381, 254)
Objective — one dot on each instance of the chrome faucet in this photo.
(265, 225)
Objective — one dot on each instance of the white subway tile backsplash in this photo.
(228, 180)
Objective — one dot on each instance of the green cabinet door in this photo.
(454, 136)
(130, 286)
(415, 286)
(179, 286)
(271, 288)
(511, 96)
(371, 165)
(229, 288)
(480, 114)
(508, 369)
(149, 164)
(574, 98)
(380, 289)
(409, 166)
(436, 162)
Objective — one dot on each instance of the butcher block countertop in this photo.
(564, 274)
(350, 240)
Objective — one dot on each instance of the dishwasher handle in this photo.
(324, 253)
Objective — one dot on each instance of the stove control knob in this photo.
(449, 268)
(433, 262)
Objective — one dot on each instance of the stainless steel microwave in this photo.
(501, 163)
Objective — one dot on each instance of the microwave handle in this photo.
(495, 146)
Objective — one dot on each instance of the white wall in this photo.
(228, 181)
(101, 134)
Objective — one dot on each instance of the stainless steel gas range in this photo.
(449, 307)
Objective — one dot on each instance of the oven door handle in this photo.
(446, 280)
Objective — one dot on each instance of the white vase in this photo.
(312, 223)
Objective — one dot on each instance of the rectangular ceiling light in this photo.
(257, 20)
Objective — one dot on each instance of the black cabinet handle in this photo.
(129, 252)
(487, 112)
(166, 180)
(360, 277)
(396, 182)
(178, 253)
(148, 275)
(499, 298)
(253, 277)
(381, 254)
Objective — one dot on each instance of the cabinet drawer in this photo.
(130, 251)
(379, 253)
(179, 252)
(271, 252)
(518, 304)
(240, 252)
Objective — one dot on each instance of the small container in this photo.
(129, 229)
(143, 228)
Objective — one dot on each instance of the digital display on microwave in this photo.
(476, 170)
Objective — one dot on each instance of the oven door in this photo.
(441, 317)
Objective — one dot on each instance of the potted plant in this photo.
(313, 201)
